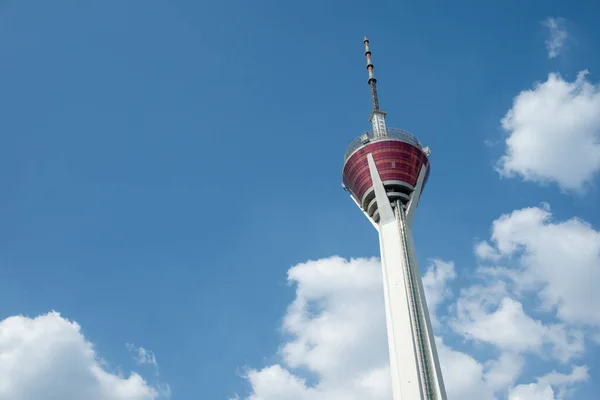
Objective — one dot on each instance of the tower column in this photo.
(404, 368)
(385, 172)
(414, 364)
(434, 370)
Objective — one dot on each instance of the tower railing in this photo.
(392, 134)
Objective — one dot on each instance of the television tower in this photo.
(385, 171)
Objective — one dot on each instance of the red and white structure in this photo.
(385, 171)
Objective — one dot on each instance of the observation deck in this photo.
(399, 158)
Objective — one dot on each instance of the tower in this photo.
(385, 171)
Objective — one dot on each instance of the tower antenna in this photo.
(377, 117)
(372, 80)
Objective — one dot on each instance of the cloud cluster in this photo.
(554, 133)
(335, 335)
(48, 357)
(489, 315)
(558, 260)
(550, 386)
(550, 265)
(557, 36)
(335, 327)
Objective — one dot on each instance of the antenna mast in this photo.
(377, 117)
(372, 80)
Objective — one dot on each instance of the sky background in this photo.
(164, 164)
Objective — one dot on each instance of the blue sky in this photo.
(164, 164)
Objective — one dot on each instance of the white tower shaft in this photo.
(414, 364)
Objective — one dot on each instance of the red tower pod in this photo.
(399, 158)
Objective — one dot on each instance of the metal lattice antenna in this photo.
(377, 117)
(372, 81)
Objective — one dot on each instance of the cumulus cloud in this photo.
(48, 357)
(554, 133)
(557, 36)
(464, 376)
(147, 357)
(487, 313)
(486, 252)
(334, 296)
(435, 284)
(336, 347)
(532, 392)
(558, 260)
(550, 386)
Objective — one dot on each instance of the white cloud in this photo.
(560, 261)
(503, 372)
(147, 357)
(334, 296)
(557, 36)
(435, 284)
(578, 374)
(48, 357)
(486, 313)
(142, 356)
(464, 376)
(554, 133)
(336, 348)
(501, 327)
(543, 389)
(484, 251)
(531, 392)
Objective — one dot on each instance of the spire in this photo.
(377, 116)
(372, 80)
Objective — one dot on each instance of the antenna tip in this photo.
(366, 39)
